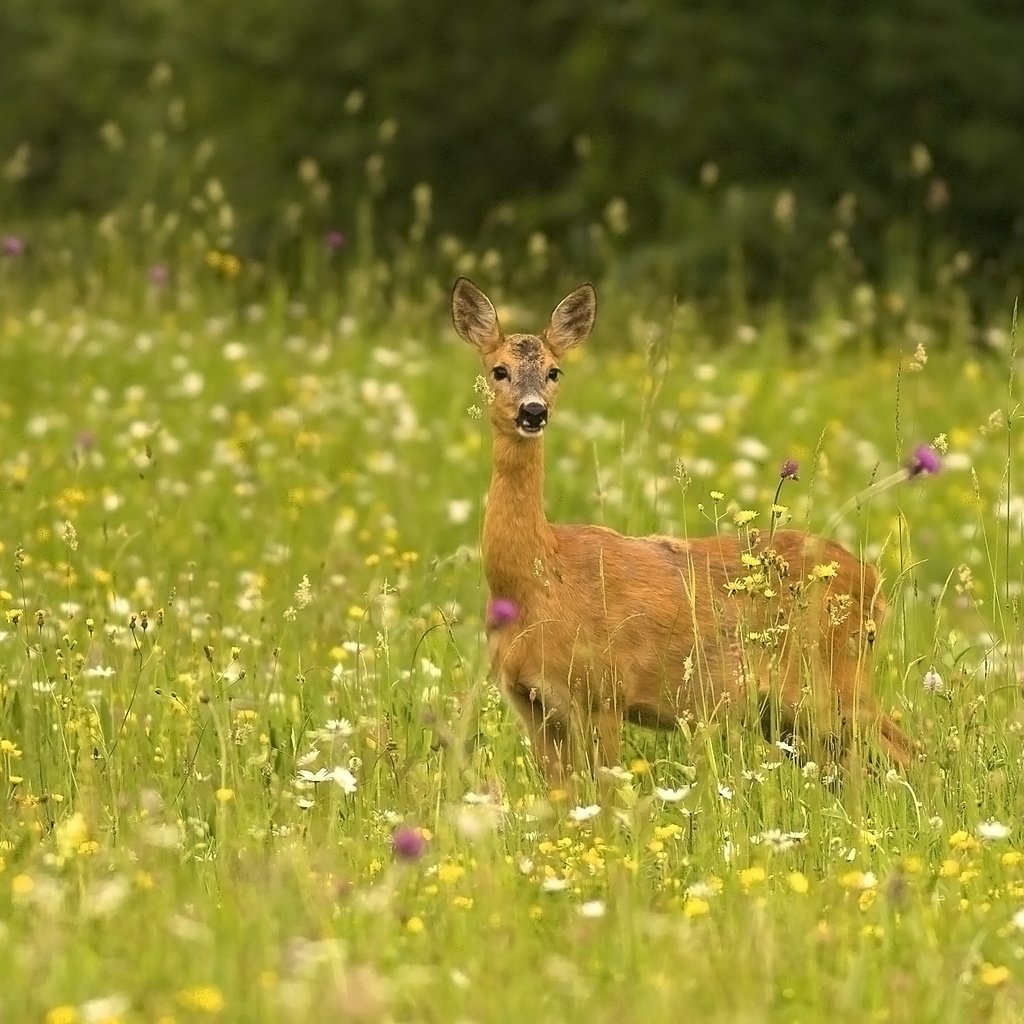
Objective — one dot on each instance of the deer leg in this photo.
(547, 731)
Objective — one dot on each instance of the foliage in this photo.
(691, 136)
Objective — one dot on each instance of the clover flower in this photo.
(501, 612)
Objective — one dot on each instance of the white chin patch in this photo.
(526, 432)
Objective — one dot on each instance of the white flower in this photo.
(1018, 920)
(459, 511)
(592, 908)
(554, 884)
(617, 772)
(344, 778)
(992, 830)
(320, 775)
(585, 813)
(107, 1008)
(338, 727)
(672, 796)
(725, 792)
(477, 799)
(932, 681)
(98, 672)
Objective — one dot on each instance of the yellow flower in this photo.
(1011, 858)
(962, 841)
(62, 1015)
(825, 572)
(449, 873)
(744, 517)
(798, 882)
(949, 868)
(415, 925)
(205, 998)
(695, 907)
(751, 876)
(225, 796)
(640, 767)
(994, 974)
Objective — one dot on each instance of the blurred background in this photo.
(734, 153)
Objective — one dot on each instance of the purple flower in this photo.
(500, 612)
(159, 274)
(12, 246)
(925, 459)
(407, 843)
(334, 240)
(789, 469)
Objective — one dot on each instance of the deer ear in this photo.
(474, 316)
(573, 319)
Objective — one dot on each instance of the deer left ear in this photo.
(573, 319)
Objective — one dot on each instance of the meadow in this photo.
(253, 764)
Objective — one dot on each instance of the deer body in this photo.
(609, 627)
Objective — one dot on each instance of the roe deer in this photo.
(599, 627)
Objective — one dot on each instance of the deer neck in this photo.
(518, 541)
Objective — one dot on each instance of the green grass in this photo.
(173, 471)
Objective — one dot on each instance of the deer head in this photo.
(522, 369)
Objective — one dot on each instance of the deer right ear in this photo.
(474, 316)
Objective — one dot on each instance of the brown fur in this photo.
(612, 627)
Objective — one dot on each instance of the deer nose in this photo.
(533, 415)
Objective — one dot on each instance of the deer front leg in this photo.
(547, 731)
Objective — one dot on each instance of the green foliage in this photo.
(730, 130)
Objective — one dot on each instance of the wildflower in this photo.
(672, 796)
(207, 998)
(407, 843)
(798, 882)
(554, 884)
(789, 470)
(993, 975)
(334, 240)
(159, 274)
(925, 459)
(105, 1010)
(744, 517)
(415, 925)
(932, 681)
(13, 246)
(992, 830)
(500, 612)
(225, 795)
(592, 908)
(304, 593)
(695, 907)
(725, 792)
(751, 876)
(63, 1015)
(585, 813)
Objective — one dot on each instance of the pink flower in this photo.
(789, 469)
(334, 240)
(925, 459)
(500, 612)
(407, 843)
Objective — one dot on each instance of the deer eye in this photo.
(500, 373)
(554, 373)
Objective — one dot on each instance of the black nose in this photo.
(533, 415)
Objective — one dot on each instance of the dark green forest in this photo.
(671, 135)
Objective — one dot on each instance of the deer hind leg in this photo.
(548, 731)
